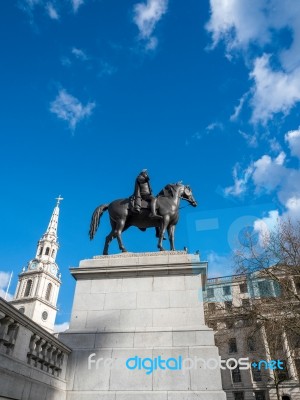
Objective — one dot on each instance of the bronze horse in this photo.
(121, 217)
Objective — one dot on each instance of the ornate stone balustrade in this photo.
(23, 342)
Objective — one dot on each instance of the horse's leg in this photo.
(118, 231)
(162, 232)
(109, 237)
(171, 229)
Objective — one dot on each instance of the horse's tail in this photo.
(95, 221)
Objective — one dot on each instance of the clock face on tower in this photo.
(33, 265)
(53, 269)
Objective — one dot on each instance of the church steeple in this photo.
(39, 283)
(48, 244)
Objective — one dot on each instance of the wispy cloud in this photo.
(239, 107)
(106, 69)
(76, 4)
(241, 179)
(146, 16)
(49, 7)
(70, 109)
(293, 140)
(272, 175)
(275, 75)
(51, 10)
(4, 280)
(80, 54)
(251, 139)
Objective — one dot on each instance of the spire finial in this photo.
(59, 199)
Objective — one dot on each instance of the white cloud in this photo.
(76, 4)
(293, 139)
(274, 91)
(70, 109)
(213, 126)
(4, 281)
(265, 225)
(61, 327)
(240, 181)
(244, 24)
(146, 16)
(238, 108)
(52, 12)
(270, 174)
(250, 139)
(80, 54)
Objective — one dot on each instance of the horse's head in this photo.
(188, 195)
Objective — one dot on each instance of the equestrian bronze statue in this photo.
(122, 215)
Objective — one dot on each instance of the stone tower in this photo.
(39, 283)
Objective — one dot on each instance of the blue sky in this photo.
(93, 91)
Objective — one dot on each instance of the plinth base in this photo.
(130, 310)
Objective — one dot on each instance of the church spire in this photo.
(52, 227)
(48, 244)
(39, 283)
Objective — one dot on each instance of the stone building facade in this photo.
(228, 303)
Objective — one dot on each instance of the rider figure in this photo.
(143, 191)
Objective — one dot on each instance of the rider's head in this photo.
(144, 172)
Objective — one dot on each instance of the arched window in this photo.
(41, 251)
(53, 253)
(28, 288)
(47, 251)
(48, 291)
(286, 397)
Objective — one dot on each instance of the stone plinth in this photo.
(143, 305)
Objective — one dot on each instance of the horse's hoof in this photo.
(124, 250)
(105, 253)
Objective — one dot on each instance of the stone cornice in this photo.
(140, 264)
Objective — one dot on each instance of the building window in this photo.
(297, 364)
(228, 305)
(265, 289)
(286, 397)
(210, 292)
(47, 251)
(236, 375)
(212, 308)
(41, 251)
(246, 303)
(48, 291)
(256, 373)
(251, 344)
(243, 288)
(229, 323)
(260, 395)
(298, 287)
(53, 253)
(28, 288)
(283, 373)
(295, 340)
(226, 290)
(232, 347)
(238, 395)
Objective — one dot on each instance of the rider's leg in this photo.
(153, 208)
(138, 204)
